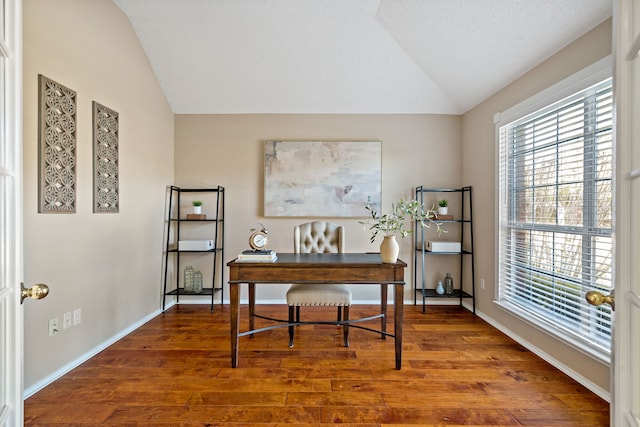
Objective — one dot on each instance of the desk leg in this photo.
(252, 306)
(398, 318)
(234, 306)
(383, 308)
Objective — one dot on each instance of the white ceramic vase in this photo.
(197, 210)
(443, 210)
(389, 249)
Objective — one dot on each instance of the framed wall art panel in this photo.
(106, 194)
(321, 178)
(56, 147)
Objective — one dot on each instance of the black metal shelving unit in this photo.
(175, 223)
(465, 223)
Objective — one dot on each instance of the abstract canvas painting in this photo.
(321, 178)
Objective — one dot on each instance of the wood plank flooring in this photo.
(176, 371)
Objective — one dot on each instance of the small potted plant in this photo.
(393, 224)
(197, 207)
(443, 207)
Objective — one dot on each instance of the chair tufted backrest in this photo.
(318, 237)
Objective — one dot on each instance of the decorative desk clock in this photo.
(258, 238)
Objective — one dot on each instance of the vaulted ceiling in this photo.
(349, 56)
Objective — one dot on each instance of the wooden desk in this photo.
(353, 269)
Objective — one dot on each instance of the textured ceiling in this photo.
(349, 56)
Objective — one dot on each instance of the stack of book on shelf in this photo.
(258, 256)
(440, 217)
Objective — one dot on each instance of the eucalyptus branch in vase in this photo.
(394, 223)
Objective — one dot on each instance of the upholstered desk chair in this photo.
(319, 237)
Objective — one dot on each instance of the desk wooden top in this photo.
(351, 268)
(325, 260)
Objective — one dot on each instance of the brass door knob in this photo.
(598, 298)
(38, 291)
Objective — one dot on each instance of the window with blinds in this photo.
(555, 216)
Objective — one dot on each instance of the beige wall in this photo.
(108, 265)
(479, 169)
(228, 150)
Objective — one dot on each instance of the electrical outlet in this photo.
(77, 316)
(66, 320)
(53, 327)
(481, 283)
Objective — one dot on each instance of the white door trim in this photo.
(625, 369)
(11, 330)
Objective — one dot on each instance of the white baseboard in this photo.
(80, 360)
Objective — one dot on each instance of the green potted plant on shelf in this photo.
(197, 206)
(443, 208)
(395, 222)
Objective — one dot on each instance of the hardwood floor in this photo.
(175, 371)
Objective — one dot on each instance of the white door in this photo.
(11, 407)
(625, 369)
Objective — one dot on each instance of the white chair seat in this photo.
(318, 295)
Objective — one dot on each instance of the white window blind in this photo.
(555, 216)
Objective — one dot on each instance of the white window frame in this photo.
(573, 84)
